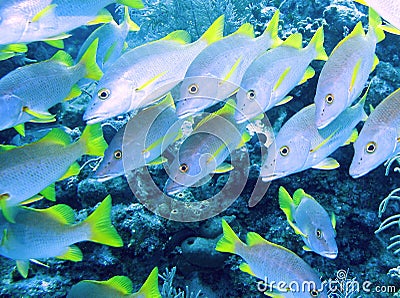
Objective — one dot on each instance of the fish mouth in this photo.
(271, 177)
(103, 178)
(239, 118)
(185, 114)
(355, 174)
(330, 254)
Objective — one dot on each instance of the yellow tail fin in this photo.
(229, 240)
(150, 287)
(102, 230)
(92, 138)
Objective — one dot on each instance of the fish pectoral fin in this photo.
(286, 203)
(324, 141)
(39, 263)
(73, 170)
(285, 100)
(246, 268)
(75, 92)
(310, 72)
(297, 229)
(232, 71)
(281, 78)
(6, 148)
(73, 254)
(4, 239)
(158, 161)
(20, 128)
(333, 221)
(152, 80)
(39, 115)
(104, 16)
(49, 9)
(223, 168)
(49, 192)
(306, 248)
(356, 70)
(328, 163)
(23, 267)
(376, 62)
(353, 137)
(109, 52)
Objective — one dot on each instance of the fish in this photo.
(379, 137)
(272, 75)
(111, 41)
(117, 286)
(281, 268)
(344, 75)
(28, 91)
(310, 220)
(28, 170)
(215, 74)
(52, 232)
(142, 76)
(389, 10)
(25, 21)
(11, 50)
(141, 141)
(300, 145)
(203, 152)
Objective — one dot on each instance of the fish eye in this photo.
(251, 94)
(193, 89)
(329, 98)
(371, 147)
(183, 168)
(318, 233)
(117, 154)
(284, 151)
(314, 293)
(104, 93)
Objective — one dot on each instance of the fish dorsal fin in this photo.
(246, 29)
(73, 93)
(333, 220)
(282, 78)
(120, 283)
(272, 30)
(73, 254)
(180, 36)
(286, 203)
(357, 30)
(49, 192)
(356, 70)
(328, 163)
(61, 213)
(44, 12)
(227, 110)
(63, 57)
(23, 267)
(310, 72)
(215, 31)
(298, 195)
(295, 41)
(109, 52)
(56, 136)
(150, 286)
(254, 238)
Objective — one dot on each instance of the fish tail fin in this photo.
(215, 31)
(138, 4)
(286, 203)
(150, 287)
(374, 25)
(317, 43)
(101, 229)
(128, 21)
(229, 241)
(272, 30)
(93, 141)
(88, 59)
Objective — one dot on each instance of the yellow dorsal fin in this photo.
(246, 29)
(57, 136)
(180, 36)
(310, 72)
(153, 79)
(295, 41)
(355, 73)
(44, 12)
(358, 29)
(150, 286)
(137, 4)
(215, 31)
(128, 21)
(324, 141)
(298, 195)
(63, 57)
(119, 283)
(253, 238)
(282, 78)
(61, 213)
(272, 30)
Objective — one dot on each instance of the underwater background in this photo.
(185, 252)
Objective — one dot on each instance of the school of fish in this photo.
(164, 83)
